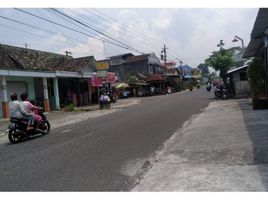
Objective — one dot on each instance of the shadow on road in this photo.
(256, 122)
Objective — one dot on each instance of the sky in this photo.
(190, 34)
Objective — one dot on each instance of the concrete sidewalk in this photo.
(61, 118)
(225, 148)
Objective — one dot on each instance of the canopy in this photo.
(121, 85)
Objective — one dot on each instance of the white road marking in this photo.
(66, 131)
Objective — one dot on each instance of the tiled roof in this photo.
(28, 59)
(171, 70)
(155, 77)
(76, 64)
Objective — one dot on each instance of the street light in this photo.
(236, 38)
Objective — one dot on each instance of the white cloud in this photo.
(188, 33)
(59, 37)
(91, 47)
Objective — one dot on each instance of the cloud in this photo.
(164, 19)
(91, 47)
(59, 37)
(188, 33)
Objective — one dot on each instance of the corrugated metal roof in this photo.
(237, 69)
(137, 58)
(256, 43)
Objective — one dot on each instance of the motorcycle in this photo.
(221, 92)
(112, 98)
(208, 87)
(17, 130)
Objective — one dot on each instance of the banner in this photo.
(102, 65)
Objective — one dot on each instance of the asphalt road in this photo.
(108, 153)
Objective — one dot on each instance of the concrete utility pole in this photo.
(104, 49)
(164, 57)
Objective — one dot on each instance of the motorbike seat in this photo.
(16, 120)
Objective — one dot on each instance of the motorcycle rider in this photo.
(17, 110)
(28, 107)
(208, 85)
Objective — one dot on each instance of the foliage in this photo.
(178, 85)
(221, 61)
(132, 80)
(69, 108)
(256, 76)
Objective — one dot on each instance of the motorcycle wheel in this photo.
(14, 137)
(46, 128)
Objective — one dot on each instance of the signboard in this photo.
(110, 77)
(95, 81)
(116, 61)
(102, 65)
(102, 74)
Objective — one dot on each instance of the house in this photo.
(186, 71)
(128, 64)
(258, 44)
(239, 81)
(45, 76)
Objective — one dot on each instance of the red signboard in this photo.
(96, 81)
(110, 77)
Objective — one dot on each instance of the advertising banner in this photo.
(102, 65)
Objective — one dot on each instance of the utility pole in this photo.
(104, 49)
(164, 56)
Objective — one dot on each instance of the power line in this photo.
(140, 35)
(122, 25)
(100, 32)
(111, 28)
(69, 28)
(38, 28)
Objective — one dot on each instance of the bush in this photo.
(256, 76)
(178, 86)
(69, 108)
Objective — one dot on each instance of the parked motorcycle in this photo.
(221, 92)
(17, 130)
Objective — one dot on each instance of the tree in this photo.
(132, 79)
(221, 61)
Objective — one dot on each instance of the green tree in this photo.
(256, 76)
(132, 79)
(221, 61)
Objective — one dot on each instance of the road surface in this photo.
(108, 153)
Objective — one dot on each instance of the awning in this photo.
(121, 85)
